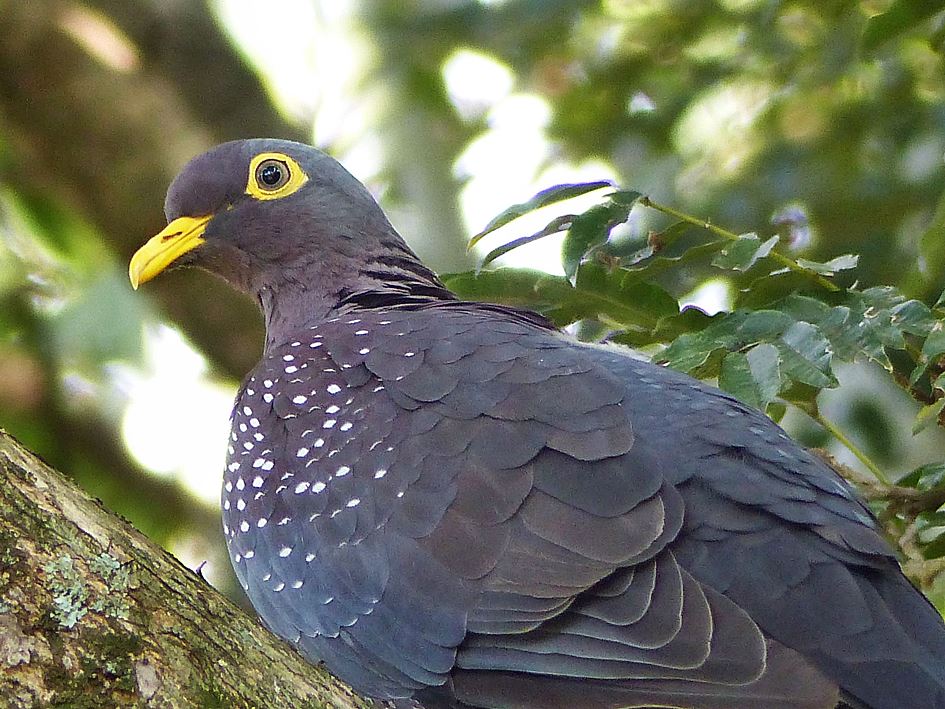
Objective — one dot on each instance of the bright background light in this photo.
(314, 60)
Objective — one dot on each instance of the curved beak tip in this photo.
(162, 250)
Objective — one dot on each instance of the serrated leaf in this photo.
(753, 377)
(872, 319)
(765, 363)
(805, 356)
(692, 350)
(828, 268)
(659, 264)
(742, 254)
(558, 193)
(761, 325)
(735, 377)
(803, 307)
(914, 317)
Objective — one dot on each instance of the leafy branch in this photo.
(791, 321)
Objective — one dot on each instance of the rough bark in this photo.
(93, 614)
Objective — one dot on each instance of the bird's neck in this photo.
(391, 281)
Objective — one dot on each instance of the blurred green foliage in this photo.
(821, 123)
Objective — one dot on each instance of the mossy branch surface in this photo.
(93, 614)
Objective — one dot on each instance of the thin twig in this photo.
(834, 431)
(780, 258)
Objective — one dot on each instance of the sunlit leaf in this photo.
(828, 268)
(555, 226)
(742, 254)
(558, 193)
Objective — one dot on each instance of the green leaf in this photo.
(765, 363)
(690, 319)
(925, 477)
(597, 293)
(934, 345)
(771, 288)
(555, 226)
(660, 264)
(617, 297)
(939, 382)
(558, 193)
(927, 416)
(805, 356)
(828, 268)
(914, 317)
(762, 325)
(659, 240)
(742, 254)
(930, 532)
(514, 286)
(592, 228)
(932, 349)
(941, 300)
(627, 198)
(693, 350)
(735, 377)
(901, 16)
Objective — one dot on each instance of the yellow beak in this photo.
(176, 239)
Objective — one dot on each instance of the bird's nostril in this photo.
(168, 237)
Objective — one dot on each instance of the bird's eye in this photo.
(272, 174)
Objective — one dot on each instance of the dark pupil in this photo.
(271, 175)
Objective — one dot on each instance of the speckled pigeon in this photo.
(457, 504)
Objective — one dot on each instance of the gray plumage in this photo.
(456, 503)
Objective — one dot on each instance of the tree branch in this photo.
(92, 613)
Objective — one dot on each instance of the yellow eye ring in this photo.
(273, 176)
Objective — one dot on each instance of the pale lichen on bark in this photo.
(93, 614)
